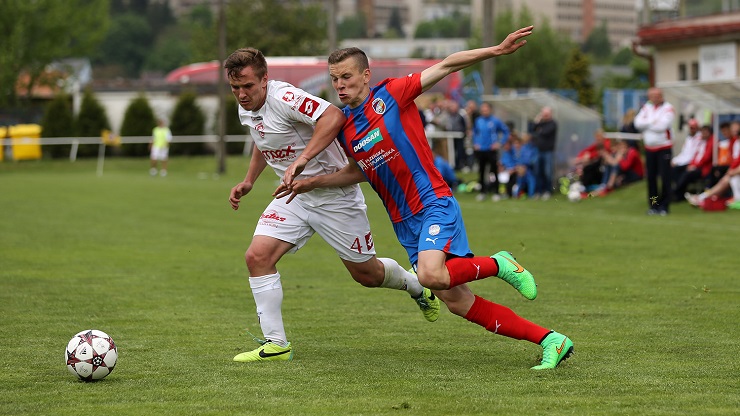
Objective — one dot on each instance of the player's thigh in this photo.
(285, 222)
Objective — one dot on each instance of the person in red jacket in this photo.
(700, 167)
(623, 167)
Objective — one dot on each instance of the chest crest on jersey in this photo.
(260, 129)
(379, 106)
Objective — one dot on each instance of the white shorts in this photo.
(159, 153)
(341, 221)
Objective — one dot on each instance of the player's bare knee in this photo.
(431, 279)
(256, 260)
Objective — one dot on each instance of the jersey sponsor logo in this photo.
(379, 106)
(308, 107)
(279, 154)
(367, 142)
(256, 118)
(260, 129)
(271, 215)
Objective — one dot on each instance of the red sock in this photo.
(503, 321)
(466, 269)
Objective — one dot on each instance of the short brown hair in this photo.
(246, 57)
(355, 53)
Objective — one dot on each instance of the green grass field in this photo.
(652, 304)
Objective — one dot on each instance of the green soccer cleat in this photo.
(514, 274)
(268, 351)
(429, 305)
(556, 348)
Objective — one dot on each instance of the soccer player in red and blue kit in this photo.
(385, 139)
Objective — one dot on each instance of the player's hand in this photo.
(294, 170)
(237, 192)
(511, 43)
(298, 187)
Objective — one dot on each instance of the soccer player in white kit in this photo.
(282, 120)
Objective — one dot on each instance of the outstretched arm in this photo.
(326, 130)
(464, 59)
(348, 175)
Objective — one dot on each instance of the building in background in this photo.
(577, 18)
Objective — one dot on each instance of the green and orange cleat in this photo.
(556, 348)
(514, 274)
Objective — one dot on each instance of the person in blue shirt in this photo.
(507, 169)
(489, 133)
(448, 173)
(525, 155)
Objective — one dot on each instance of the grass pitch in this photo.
(651, 303)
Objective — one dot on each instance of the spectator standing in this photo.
(545, 133)
(456, 123)
(159, 148)
(655, 120)
(471, 114)
(488, 134)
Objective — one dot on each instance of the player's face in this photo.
(349, 82)
(249, 90)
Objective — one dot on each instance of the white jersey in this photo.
(281, 129)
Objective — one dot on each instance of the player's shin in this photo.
(268, 297)
(397, 277)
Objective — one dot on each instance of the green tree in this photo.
(597, 44)
(58, 121)
(536, 65)
(138, 120)
(233, 125)
(577, 77)
(352, 27)
(457, 25)
(35, 33)
(188, 120)
(170, 51)
(127, 44)
(91, 121)
(299, 30)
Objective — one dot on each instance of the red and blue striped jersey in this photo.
(385, 136)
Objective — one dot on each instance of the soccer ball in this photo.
(91, 355)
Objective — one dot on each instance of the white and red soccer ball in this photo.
(91, 355)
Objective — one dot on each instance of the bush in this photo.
(91, 121)
(187, 120)
(138, 120)
(58, 121)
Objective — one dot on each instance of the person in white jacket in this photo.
(655, 121)
(688, 150)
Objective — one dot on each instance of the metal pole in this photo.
(221, 89)
(332, 26)
(488, 68)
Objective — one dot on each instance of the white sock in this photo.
(735, 185)
(398, 278)
(268, 297)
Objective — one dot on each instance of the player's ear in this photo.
(366, 75)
